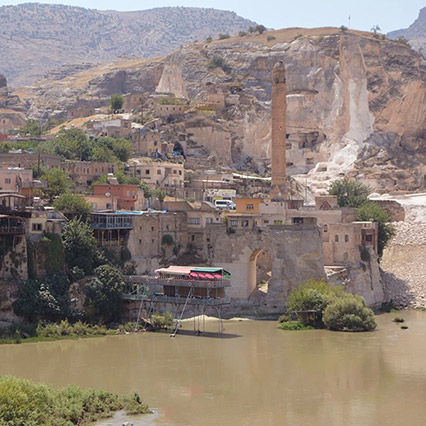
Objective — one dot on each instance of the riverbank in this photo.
(45, 332)
(25, 402)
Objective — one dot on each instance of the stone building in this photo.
(123, 196)
(86, 172)
(156, 173)
(147, 142)
(28, 160)
(133, 101)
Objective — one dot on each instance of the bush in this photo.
(23, 402)
(218, 62)
(349, 313)
(223, 36)
(293, 325)
(162, 321)
(312, 296)
(270, 38)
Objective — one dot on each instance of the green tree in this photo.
(73, 203)
(372, 212)
(47, 299)
(349, 313)
(58, 182)
(349, 193)
(116, 102)
(32, 127)
(103, 154)
(104, 293)
(260, 29)
(80, 246)
(71, 144)
(312, 296)
(375, 28)
(146, 191)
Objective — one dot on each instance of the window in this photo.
(325, 228)
(193, 237)
(288, 146)
(369, 238)
(266, 222)
(249, 206)
(245, 223)
(158, 172)
(37, 227)
(152, 241)
(346, 238)
(234, 222)
(298, 220)
(180, 172)
(152, 228)
(209, 220)
(336, 238)
(7, 180)
(147, 171)
(128, 193)
(140, 241)
(278, 222)
(194, 220)
(108, 206)
(175, 172)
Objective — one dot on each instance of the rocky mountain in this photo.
(415, 33)
(38, 38)
(355, 105)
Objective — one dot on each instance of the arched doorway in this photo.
(259, 271)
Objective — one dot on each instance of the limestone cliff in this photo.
(356, 102)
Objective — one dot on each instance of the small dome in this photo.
(3, 81)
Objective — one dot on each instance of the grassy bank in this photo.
(23, 402)
(20, 333)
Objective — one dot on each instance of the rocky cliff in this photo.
(356, 102)
(415, 33)
(40, 38)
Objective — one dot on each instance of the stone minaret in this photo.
(279, 92)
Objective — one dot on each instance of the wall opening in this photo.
(259, 271)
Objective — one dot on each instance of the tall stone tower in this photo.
(278, 154)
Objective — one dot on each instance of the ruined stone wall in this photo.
(404, 266)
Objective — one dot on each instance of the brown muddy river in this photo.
(256, 375)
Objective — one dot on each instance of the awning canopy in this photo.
(194, 271)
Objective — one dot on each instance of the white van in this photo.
(224, 204)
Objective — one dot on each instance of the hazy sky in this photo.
(388, 14)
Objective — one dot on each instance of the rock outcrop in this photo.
(355, 104)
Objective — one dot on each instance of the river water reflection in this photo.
(258, 375)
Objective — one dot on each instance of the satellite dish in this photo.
(107, 194)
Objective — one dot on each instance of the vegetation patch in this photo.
(23, 402)
(318, 304)
(294, 325)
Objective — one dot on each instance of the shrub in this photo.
(312, 296)
(293, 325)
(242, 33)
(398, 319)
(224, 36)
(162, 321)
(270, 38)
(218, 62)
(23, 402)
(349, 313)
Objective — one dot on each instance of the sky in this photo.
(364, 14)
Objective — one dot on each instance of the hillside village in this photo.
(162, 175)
